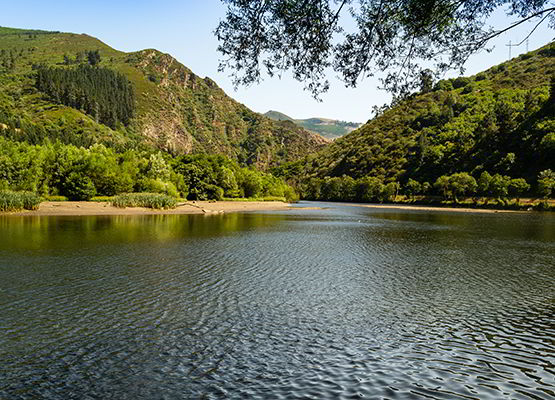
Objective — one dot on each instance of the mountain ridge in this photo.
(326, 127)
(176, 110)
(499, 122)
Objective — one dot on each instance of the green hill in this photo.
(277, 116)
(169, 107)
(500, 121)
(328, 128)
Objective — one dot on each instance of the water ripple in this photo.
(339, 303)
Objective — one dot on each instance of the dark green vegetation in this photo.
(492, 134)
(80, 173)
(15, 201)
(80, 119)
(141, 99)
(148, 200)
(105, 95)
(328, 128)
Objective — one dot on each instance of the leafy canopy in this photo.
(392, 38)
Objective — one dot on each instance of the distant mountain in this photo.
(328, 128)
(277, 116)
(147, 98)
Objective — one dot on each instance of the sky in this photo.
(184, 29)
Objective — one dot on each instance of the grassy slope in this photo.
(176, 110)
(447, 131)
(328, 128)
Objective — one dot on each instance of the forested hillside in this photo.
(75, 89)
(79, 119)
(499, 123)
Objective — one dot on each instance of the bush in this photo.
(468, 89)
(149, 185)
(460, 82)
(15, 201)
(444, 85)
(79, 187)
(148, 200)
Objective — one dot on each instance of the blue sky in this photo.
(185, 30)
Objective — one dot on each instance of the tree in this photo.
(390, 38)
(93, 56)
(79, 187)
(462, 184)
(369, 189)
(442, 185)
(483, 183)
(546, 183)
(499, 186)
(413, 188)
(517, 187)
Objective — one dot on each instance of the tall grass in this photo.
(16, 201)
(148, 200)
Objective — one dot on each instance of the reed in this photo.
(148, 200)
(16, 201)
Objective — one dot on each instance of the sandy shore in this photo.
(432, 208)
(62, 208)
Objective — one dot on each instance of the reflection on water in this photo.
(336, 303)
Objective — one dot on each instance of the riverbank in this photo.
(465, 206)
(76, 208)
(437, 208)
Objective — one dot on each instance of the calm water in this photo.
(343, 302)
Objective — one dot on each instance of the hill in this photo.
(328, 128)
(166, 105)
(500, 122)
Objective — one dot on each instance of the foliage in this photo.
(105, 95)
(413, 188)
(176, 112)
(393, 38)
(147, 200)
(78, 187)
(546, 183)
(81, 173)
(15, 201)
(502, 127)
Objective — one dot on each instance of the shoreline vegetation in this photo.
(143, 204)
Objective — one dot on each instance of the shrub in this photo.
(148, 200)
(15, 201)
(79, 187)
(460, 82)
(444, 85)
(468, 89)
(150, 185)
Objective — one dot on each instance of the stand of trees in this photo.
(80, 173)
(450, 187)
(104, 94)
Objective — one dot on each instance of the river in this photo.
(337, 302)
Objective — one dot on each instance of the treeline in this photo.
(104, 94)
(451, 187)
(81, 173)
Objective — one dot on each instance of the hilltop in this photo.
(500, 123)
(171, 108)
(328, 128)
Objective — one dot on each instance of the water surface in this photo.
(343, 302)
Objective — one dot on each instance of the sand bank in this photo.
(62, 208)
(435, 208)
